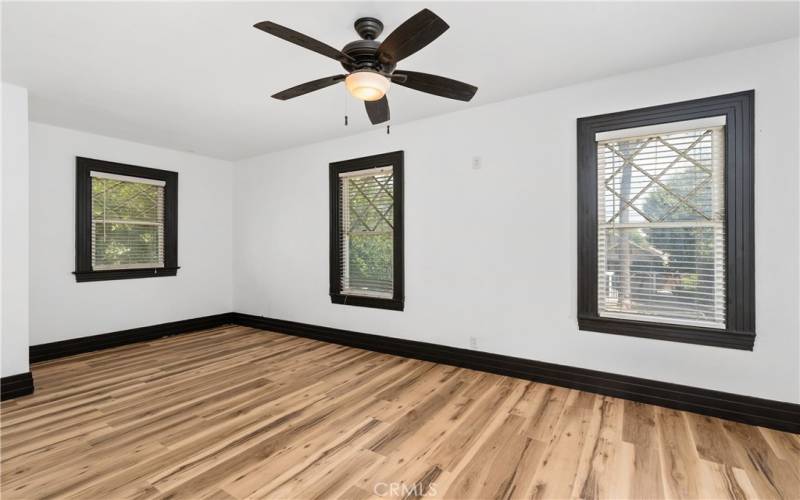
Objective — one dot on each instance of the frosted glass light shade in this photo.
(367, 85)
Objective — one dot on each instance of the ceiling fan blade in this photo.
(418, 31)
(305, 88)
(302, 40)
(436, 85)
(378, 111)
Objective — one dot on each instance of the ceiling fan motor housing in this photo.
(365, 51)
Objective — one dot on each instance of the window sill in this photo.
(729, 339)
(362, 301)
(124, 274)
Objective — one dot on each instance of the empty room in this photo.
(396, 250)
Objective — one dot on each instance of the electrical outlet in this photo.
(473, 342)
(476, 163)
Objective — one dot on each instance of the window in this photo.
(126, 223)
(366, 252)
(661, 241)
(666, 222)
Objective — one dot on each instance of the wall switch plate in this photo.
(476, 162)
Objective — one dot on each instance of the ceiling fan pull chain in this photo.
(345, 107)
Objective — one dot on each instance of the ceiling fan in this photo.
(370, 64)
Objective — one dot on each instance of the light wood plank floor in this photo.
(241, 413)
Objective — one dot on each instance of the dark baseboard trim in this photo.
(755, 411)
(15, 386)
(54, 350)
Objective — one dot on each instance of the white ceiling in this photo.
(197, 77)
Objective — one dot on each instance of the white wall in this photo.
(491, 253)
(61, 308)
(14, 289)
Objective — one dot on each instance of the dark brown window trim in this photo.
(738, 109)
(395, 159)
(83, 220)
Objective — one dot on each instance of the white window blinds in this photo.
(127, 222)
(661, 233)
(366, 201)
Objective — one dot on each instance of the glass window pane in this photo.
(127, 224)
(661, 235)
(367, 203)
